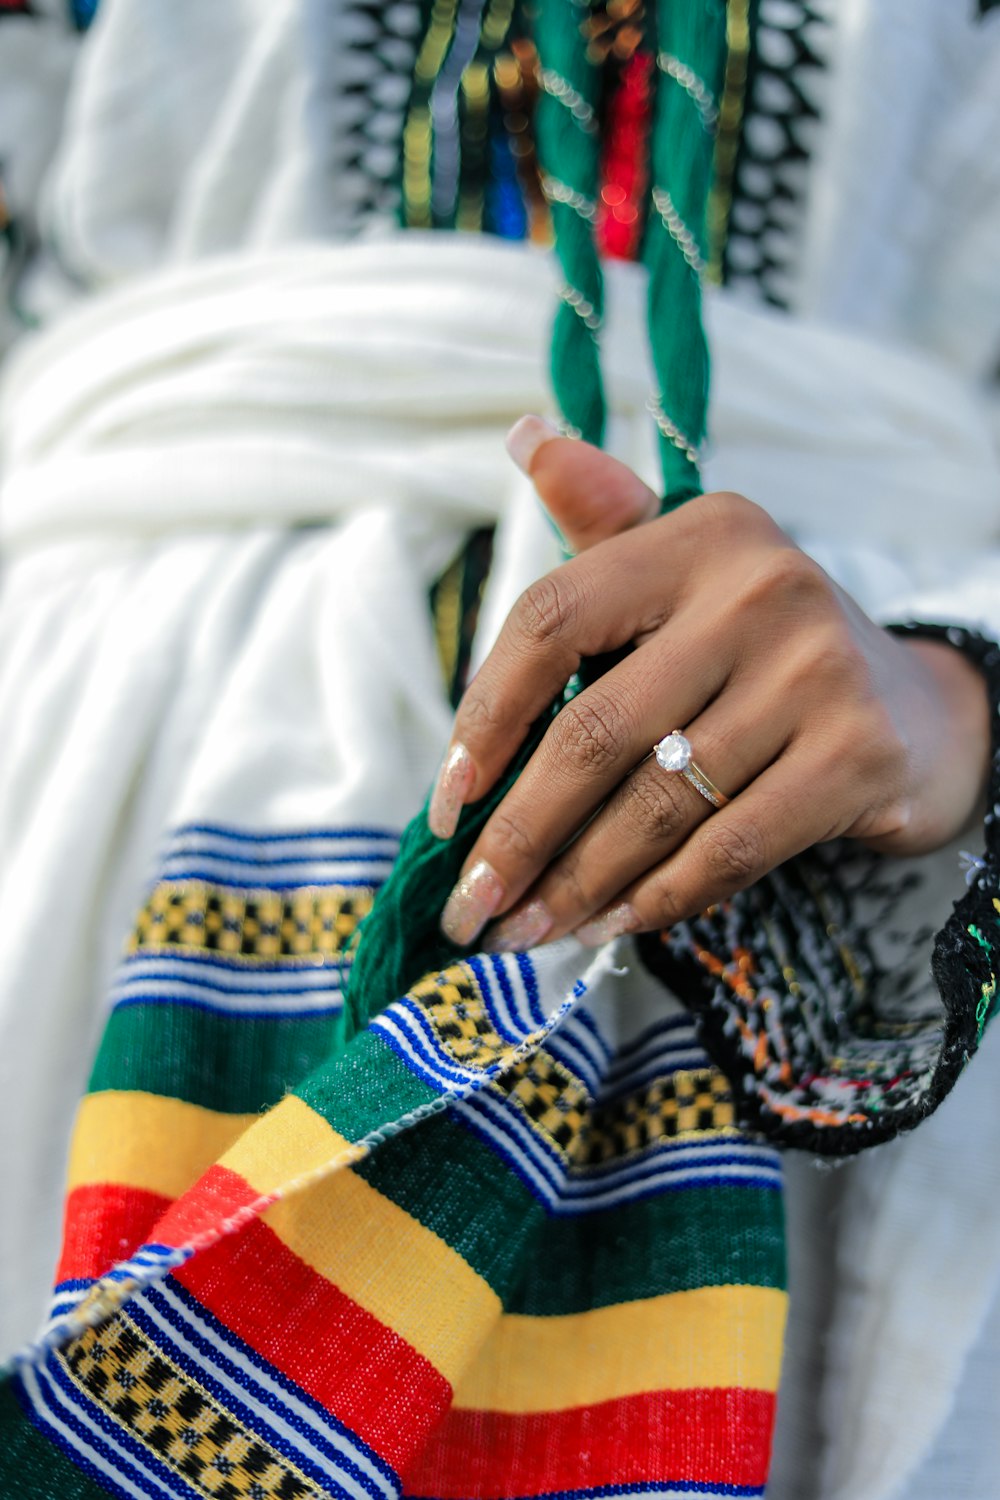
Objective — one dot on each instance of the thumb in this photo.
(589, 495)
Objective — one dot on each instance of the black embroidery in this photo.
(781, 116)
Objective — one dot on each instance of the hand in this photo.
(815, 721)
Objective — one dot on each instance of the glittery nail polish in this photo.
(610, 924)
(520, 930)
(474, 900)
(451, 789)
(526, 437)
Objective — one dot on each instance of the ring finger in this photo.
(650, 815)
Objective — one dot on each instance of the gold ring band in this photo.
(673, 753)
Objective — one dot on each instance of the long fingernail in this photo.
(451, 790)
(610, 924)
(520, 930)
(474, 900)
(526, 437)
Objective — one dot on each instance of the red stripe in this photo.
(713, 1437)
(103, 1224)
(216, 1196)
(338, 1353)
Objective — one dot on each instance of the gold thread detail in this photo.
(730, 121)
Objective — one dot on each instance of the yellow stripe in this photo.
(390, 1264)
(286, 1144)
(407, 1277)
(146, 1141)
(404, 1274)
(712, 1336)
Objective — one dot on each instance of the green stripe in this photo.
(368, 1088)
(228, 1063)
(32, 1467)
(455, 1184)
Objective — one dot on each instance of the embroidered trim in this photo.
(781, 108)
(195, 917)
(127, 1376)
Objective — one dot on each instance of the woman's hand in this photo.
(815, 722)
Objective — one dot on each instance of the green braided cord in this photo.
(401, 941)
(691, 33)
(569, 149)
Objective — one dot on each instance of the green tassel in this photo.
(401, 940)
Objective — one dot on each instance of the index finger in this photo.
(595, 603)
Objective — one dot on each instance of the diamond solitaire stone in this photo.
(673, 752)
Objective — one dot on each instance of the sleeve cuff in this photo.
(820, 1016)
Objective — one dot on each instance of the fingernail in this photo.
(610, 924)
(451, 789)
(526, 437)
(474, 900)
(520, 930)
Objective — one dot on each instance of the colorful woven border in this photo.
(390, 1280)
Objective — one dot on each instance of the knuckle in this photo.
(656, 807)
(591, 733)
(511, 836)
(546, 609)
(479, 718)
(664, 906)
(786, 577)
(734, 855)
(838, 657)
(825, 667)
(571, 891)
(726, 511)
(875, 746)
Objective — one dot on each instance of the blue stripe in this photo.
(239, 1410)
(506, 989)
(196, 981)
(426, 1066)
(652, 1487)
(530, 981)
(148, 1478)
(212, 878)
(644, 1487)
(654, 1048)
(363, 857)
(185, 1002)
(536, 1150)
(586, 1019)
(651, 1072)
(62, 1287)
(583, 1038)
(668, 1023)
(483, 980)
(223, 1335)
(316, 836)
(244, 965)
(578, 1205)
(568, 1048)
